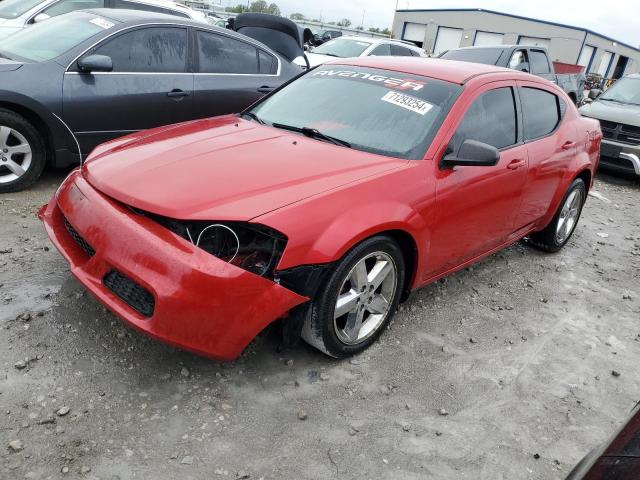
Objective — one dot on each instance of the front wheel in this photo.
(358, 300)
(22, 152)
(564, 222)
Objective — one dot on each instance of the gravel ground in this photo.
(511, 369)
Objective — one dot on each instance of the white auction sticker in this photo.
(407, 101)
(102, 23)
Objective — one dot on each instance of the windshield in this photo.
(626, 90)
(376, 111)
(47, 40)
(342, 47)
(15, 8)
(487, 56)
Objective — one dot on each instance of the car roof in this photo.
(501, 47)
(447, 70)
(373, 40)
(140, 16)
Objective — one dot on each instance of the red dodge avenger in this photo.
(325, 203)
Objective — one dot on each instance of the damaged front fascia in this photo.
(305, 281)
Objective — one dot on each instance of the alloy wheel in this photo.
(569, 216)
(365, 298)
(15, 154)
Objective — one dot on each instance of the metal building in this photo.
(443, 29)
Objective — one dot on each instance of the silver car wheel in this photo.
(365, 298)
(569, 216)
(15, 154)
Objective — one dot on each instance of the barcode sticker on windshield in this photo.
(102, 23)
(407, 101)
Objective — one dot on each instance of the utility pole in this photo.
(362, 23)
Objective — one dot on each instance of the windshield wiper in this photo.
(313, 133)
(329, 54)
(253, 116)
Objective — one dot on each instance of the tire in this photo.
(559, 231)
(22, 152)
(369, 309)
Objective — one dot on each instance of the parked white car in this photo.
(18, 14)
(348, 47)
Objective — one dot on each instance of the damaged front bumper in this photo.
(156, 281)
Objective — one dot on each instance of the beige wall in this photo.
(565, 42)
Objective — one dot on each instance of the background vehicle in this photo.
(618, 459)
(533, 60)
(18, 14)
(324, 36)
(618, 110)
(348, 47)
(385, 181)
(117, 72)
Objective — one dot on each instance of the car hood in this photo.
(224, 168)
(7, 65)
(315, 59)
(613, 112)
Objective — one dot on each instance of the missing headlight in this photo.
(249, 246)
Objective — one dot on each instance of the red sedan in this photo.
(324, 204)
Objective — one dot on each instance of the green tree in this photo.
(261, 6)
(386, 32)
(345, 22)
(297, 16)
(237, 9)
(374, 30)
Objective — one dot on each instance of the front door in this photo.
(476, 206)
(149, 86)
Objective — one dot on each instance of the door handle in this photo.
(517, 163)
(177, 93)
(568, 145)
(265, 89)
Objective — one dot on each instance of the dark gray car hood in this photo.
(613, 112)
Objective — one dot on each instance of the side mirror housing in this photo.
(473, 154)
(594, 93)
(95, 63)
(41, 17)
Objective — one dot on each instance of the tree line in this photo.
(261, 6)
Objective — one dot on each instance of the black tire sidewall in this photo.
(323, 306)
(38, 151)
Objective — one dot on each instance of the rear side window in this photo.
(398, 51)
(268, 63)
(147, 8)
(383, 50)
(491, 119)
(539, 62)
(220, 54)
(540, 111)
(154, 49)
(66, 6)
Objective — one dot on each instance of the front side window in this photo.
(519, 61)
(66, 6)
(540, 112)
(491, 119)
(383, 50)
(221, 54)
(398, 51)
(47, 40)
(343, 48)
(377, 111)
(155, 49)
(15, 8)
(539, 62)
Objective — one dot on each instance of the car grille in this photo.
(620, 132)
(134, 295)
(82, 243)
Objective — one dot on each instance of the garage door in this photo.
(603, 69)
(586, 55)
(448, 38)
(534, 41)
(414, 32)
(488, 38)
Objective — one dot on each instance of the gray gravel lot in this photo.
(502, 371)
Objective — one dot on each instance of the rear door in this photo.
(149, 86)
(476, 206)
(231, 74)
(551, 145)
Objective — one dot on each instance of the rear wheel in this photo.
(564, 223)
(358, 300)
(22, 152)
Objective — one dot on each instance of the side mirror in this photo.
(473, 154)
(41, 17)
(594, 93)
(95, 63)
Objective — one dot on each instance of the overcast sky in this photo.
(619, 19)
